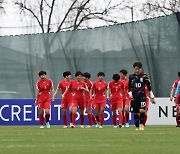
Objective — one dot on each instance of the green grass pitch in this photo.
(32, 140)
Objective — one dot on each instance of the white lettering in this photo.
(27, 112)
(1, 109)
(15, 113)
(59, 111)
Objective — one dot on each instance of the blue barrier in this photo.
(23, 112)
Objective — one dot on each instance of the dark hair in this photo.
(87, 75)
(78, 73)
(138, 64)
(179, 74)
(123, 71)
(101, 74)
(67, 73)
(42, 73)
(116, 77)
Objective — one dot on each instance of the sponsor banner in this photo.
(23, 112)
(163, 113)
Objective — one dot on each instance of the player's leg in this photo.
(64, 105)
(89, 112)
(74, 113)
(177, 101)
(135, 106)
(81, 107)
(120, 112)
(102, 108)
(47, 105)
(41, 117)
(114, 116)
(126, 112)
(97, 112)
(146, 110)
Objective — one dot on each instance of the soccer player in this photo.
(98, 90)
(63, 85)
(88, 102)
(137, 82)
(115, 94)
(126, 99)
(77, 88)
(43, 97)
(177, 101)
(148, 100)
(171, 98)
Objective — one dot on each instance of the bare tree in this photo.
(153, 8)
(76, 15)
(1, 7)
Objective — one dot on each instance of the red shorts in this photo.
(64, 103)
(44, 104)
(177, 100)
(98, 106)
(44, 101)
(118, 105)
(74, 102)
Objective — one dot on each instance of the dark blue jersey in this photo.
(137, 84)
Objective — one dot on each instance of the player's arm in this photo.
(91, 93)
(55, 93)
(108, 91)
(85, 88)
(52, 92)
(36, 97)
(171, 93)
(148, 84)
(130, 86)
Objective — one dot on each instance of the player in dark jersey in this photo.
(137, 82)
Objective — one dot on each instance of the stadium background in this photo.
(155, 42)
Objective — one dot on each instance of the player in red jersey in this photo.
(88, 102)
(148, 100)
(43, 97)
(98, 90)
(116, 95)
(171, 98)
(63, 85)
(126, 99)
(77, 88)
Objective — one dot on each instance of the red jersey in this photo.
(117, 90)
(99, 88)
(126, 88)
(44, 88)
(175, 83)
(76, 92)
(89, 86)
(63, 85)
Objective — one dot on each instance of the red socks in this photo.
(73, 119)
(177, 119)
(82, 119)
(41, 119)
(97, 118)
(114, 119)
(94, 119)
(127, 117)
(120, 116)
(90, 119)
(65, 119)
(101, 119)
